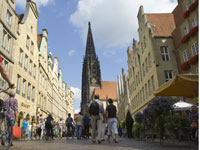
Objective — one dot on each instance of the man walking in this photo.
(11, 107)
(86, 121)
(96, 111)
(69, 124)
(112, 120)
(79, 126)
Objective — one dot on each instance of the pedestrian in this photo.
(43, 129)
(39, 129)
(96, 111)
(129, 124)
(111, 111)
(49, 127)
(79, 126)
(103, 128)
(86, 121)
(29, 128)
(60, 128)
(11, 107)
(24, 128)
(69, 124)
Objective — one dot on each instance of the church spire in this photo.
(90, 49)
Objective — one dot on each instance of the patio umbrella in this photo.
(181, 105)
(179, 85)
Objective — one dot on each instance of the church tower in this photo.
(91, 73)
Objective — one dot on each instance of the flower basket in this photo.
(193, 60)
(193, 6)
(185, 38)
(193, 31)
(185, 66)
(186, 14)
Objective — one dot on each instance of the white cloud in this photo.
(77, 93)
(76, 111)
(114, 22)
(71, 52)
(22, 3)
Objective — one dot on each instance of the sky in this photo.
(114, 25)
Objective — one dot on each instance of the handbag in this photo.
(16, 132)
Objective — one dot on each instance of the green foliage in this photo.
(27, 117)
(129, 117)
(160, 125)
(137, 128)
(179, 126)
(123, 124)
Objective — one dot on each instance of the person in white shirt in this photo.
(79, 126)
(60, 127)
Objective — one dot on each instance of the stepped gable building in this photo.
(152, 60)
(91, 73)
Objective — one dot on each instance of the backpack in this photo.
(94, 108)
(69, 121)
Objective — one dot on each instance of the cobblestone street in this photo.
(124, 144)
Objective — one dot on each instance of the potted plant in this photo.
(193, 60)
(185, 38)
(185, 66)
(193, 31)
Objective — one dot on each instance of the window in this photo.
(168, 75)
(34, 71)
(38, 102)
(40, 78)
(146, 65)
(8, 17)
(3, 42)
(3, 82)
(28, 91)
(18, 84)
(185, 55)
(143, 69)
(186, 30)
(142, 47)
(150, 62)
(26, 62)
(165, 53)
(30, 67)
(23, 87)
(27, 42)
(146, 91)
(149, 86)
(187, 5)
(8, 43)
(195, 21)
(153, 83)
(32, 47)
(144, 42)
(33, 94)
(143, 96)
(20, 57)
(194, 49)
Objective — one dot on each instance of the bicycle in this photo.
(4, 120)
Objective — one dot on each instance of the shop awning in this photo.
(179, 85)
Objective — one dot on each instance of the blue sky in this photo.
(114, 25)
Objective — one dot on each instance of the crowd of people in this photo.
(95, 124)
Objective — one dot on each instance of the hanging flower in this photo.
(193, 31)
(185, 66)
(185, 38)
(193, 6)
(186, 14)
(193, 60)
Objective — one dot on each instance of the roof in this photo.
(162, 24)
(39, 39)
(108, 90)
